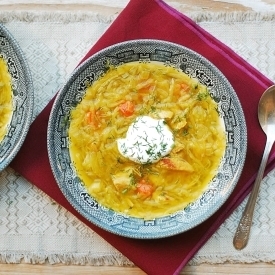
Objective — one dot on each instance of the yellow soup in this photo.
(149, 171)
(6, 107)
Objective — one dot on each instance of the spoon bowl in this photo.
(266, 111)
(266, 116)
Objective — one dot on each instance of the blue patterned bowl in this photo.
(218, 189)
(22, 89)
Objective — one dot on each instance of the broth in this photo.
(111, 104)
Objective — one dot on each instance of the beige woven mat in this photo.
(33, 228)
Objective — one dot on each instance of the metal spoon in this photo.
(266, 116)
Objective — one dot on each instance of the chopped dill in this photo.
(153, 109)
(163, 146)
(202, 96)
(178, 118)
(132, 179)
(119, 160)
(185, 132)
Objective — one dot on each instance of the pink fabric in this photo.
(155, 19)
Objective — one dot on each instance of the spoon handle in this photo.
(242, 233)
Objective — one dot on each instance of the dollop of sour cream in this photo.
(147, 140)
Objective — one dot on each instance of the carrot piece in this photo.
(145, 188)
(175, 163)
(92, 118)
(89, 117)
(181, 88)
(127, 108)
(168, 163)
(185, 87)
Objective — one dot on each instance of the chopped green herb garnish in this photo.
(202, 96)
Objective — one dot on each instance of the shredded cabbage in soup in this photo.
(111, 105)
(6, 107)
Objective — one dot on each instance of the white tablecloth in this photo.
(33, 228)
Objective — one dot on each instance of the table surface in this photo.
(217, 269)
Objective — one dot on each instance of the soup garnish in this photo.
(147, 140)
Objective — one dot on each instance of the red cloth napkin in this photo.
(155, 19)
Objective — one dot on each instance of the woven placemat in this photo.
(32, 226)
